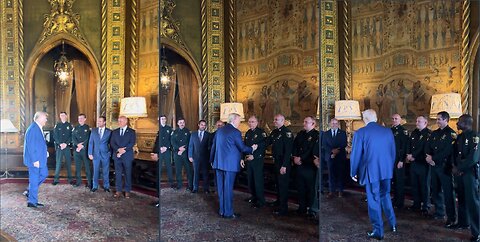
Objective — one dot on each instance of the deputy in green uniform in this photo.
(439, 157)
(400, 135)
(303, 152)
(80, 136)
(419, 168)
(256, 136)
(281, 140)
(180, 138)
(314, 209)
(466, 176)
(62, 135)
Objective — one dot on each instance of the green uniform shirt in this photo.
(180, 137)
(80, 134)
(400, 135)
(304, 147)
(466, 151)
(417, 144)
(440, 147)
(259, 137)
(281, 140)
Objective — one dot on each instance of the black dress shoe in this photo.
(93, 189)
(257, 205)
(372, 235)
(40, 205)
(55, 183)
(233, 216)
(75, 185)
(279, 213)
(273, 204)
(393, 229)
(194, 191)
(459, 226)
(106, 189)
(475, 238)
(450, 225)
(31, 205)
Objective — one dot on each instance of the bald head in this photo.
(279, 120)
(369, 116)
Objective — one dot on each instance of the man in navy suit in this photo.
(226, 153)
(334, 143)
(99, 152)
(199, 155)
(121, 143)
(35, 157)
(371, 163)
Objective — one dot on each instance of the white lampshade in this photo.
(448, 102)
(133, 107)
(6, 126)
(347, 110)
(228, 108)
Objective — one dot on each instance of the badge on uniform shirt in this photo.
(171, 133)
(255, 136)
(443, 137)
(86, 130)
(396, 133)
(279, 136)
(454, 135)
(466, 141)
(185, 134)
(405, 132)
(289, 134)
(310, 138)
(168, 131)
(68, 127)
(264, 134)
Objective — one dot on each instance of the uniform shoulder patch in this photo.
(405, 132)
(264, 135)
(289, 134)
(476, 139)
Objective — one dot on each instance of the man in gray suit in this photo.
(99, 152)
(199, 155)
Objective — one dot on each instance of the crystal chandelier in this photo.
(167, 72)
(63, 68)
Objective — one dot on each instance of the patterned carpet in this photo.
(76, 214)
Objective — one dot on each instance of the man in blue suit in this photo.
(35, 157)
(334, 143)
(122, 142)
(199, 155)
(371, 163)
(99, 152)
(226, 152)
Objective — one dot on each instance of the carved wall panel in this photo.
(403, 52)
(277, 58)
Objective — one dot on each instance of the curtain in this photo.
(188, 95)
(167, 101)
(63, 98)
(85, 88)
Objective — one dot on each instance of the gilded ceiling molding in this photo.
(61, 19)
(465, 56)
(170, 27)
(134, 48)
(103, 65)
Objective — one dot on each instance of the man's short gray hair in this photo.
(39, 114)
(370, 115)
(232, 117)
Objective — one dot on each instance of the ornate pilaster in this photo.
(133, 48)
(329, 59)
(465, 56)
(115, 64)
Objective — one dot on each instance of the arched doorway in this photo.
(78, 96)
(182, 98)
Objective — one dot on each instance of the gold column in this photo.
(11, 63)
(232, 80)
(329, 59)
(346, 50)
(465, 56)
(213, 58)
(133, 49)
(103, 65)
(115, 58)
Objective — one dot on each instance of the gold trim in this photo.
(134, 49)
(465, 56)
(21, 64)
(346, 50)
(232, 80)
(204, 82)
(103, 73)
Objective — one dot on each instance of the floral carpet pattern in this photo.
(76, 214)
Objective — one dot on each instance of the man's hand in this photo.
(36, 164)
(354, 178)
(283, 170)
(242, 163)
(163, 149)
(316, 161)
(456, 172)
(122, 150)
(254, 147)
(297, 160)
(332, 156)
(62, 146)
(336, 151)
(400, 165)
(78, 149)
(80, 145)
(249, 157)
(429, 160)
(410, 157)
(90, 157)
(182, 148)
(154, 156)
(119, 155)
(190, 159)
